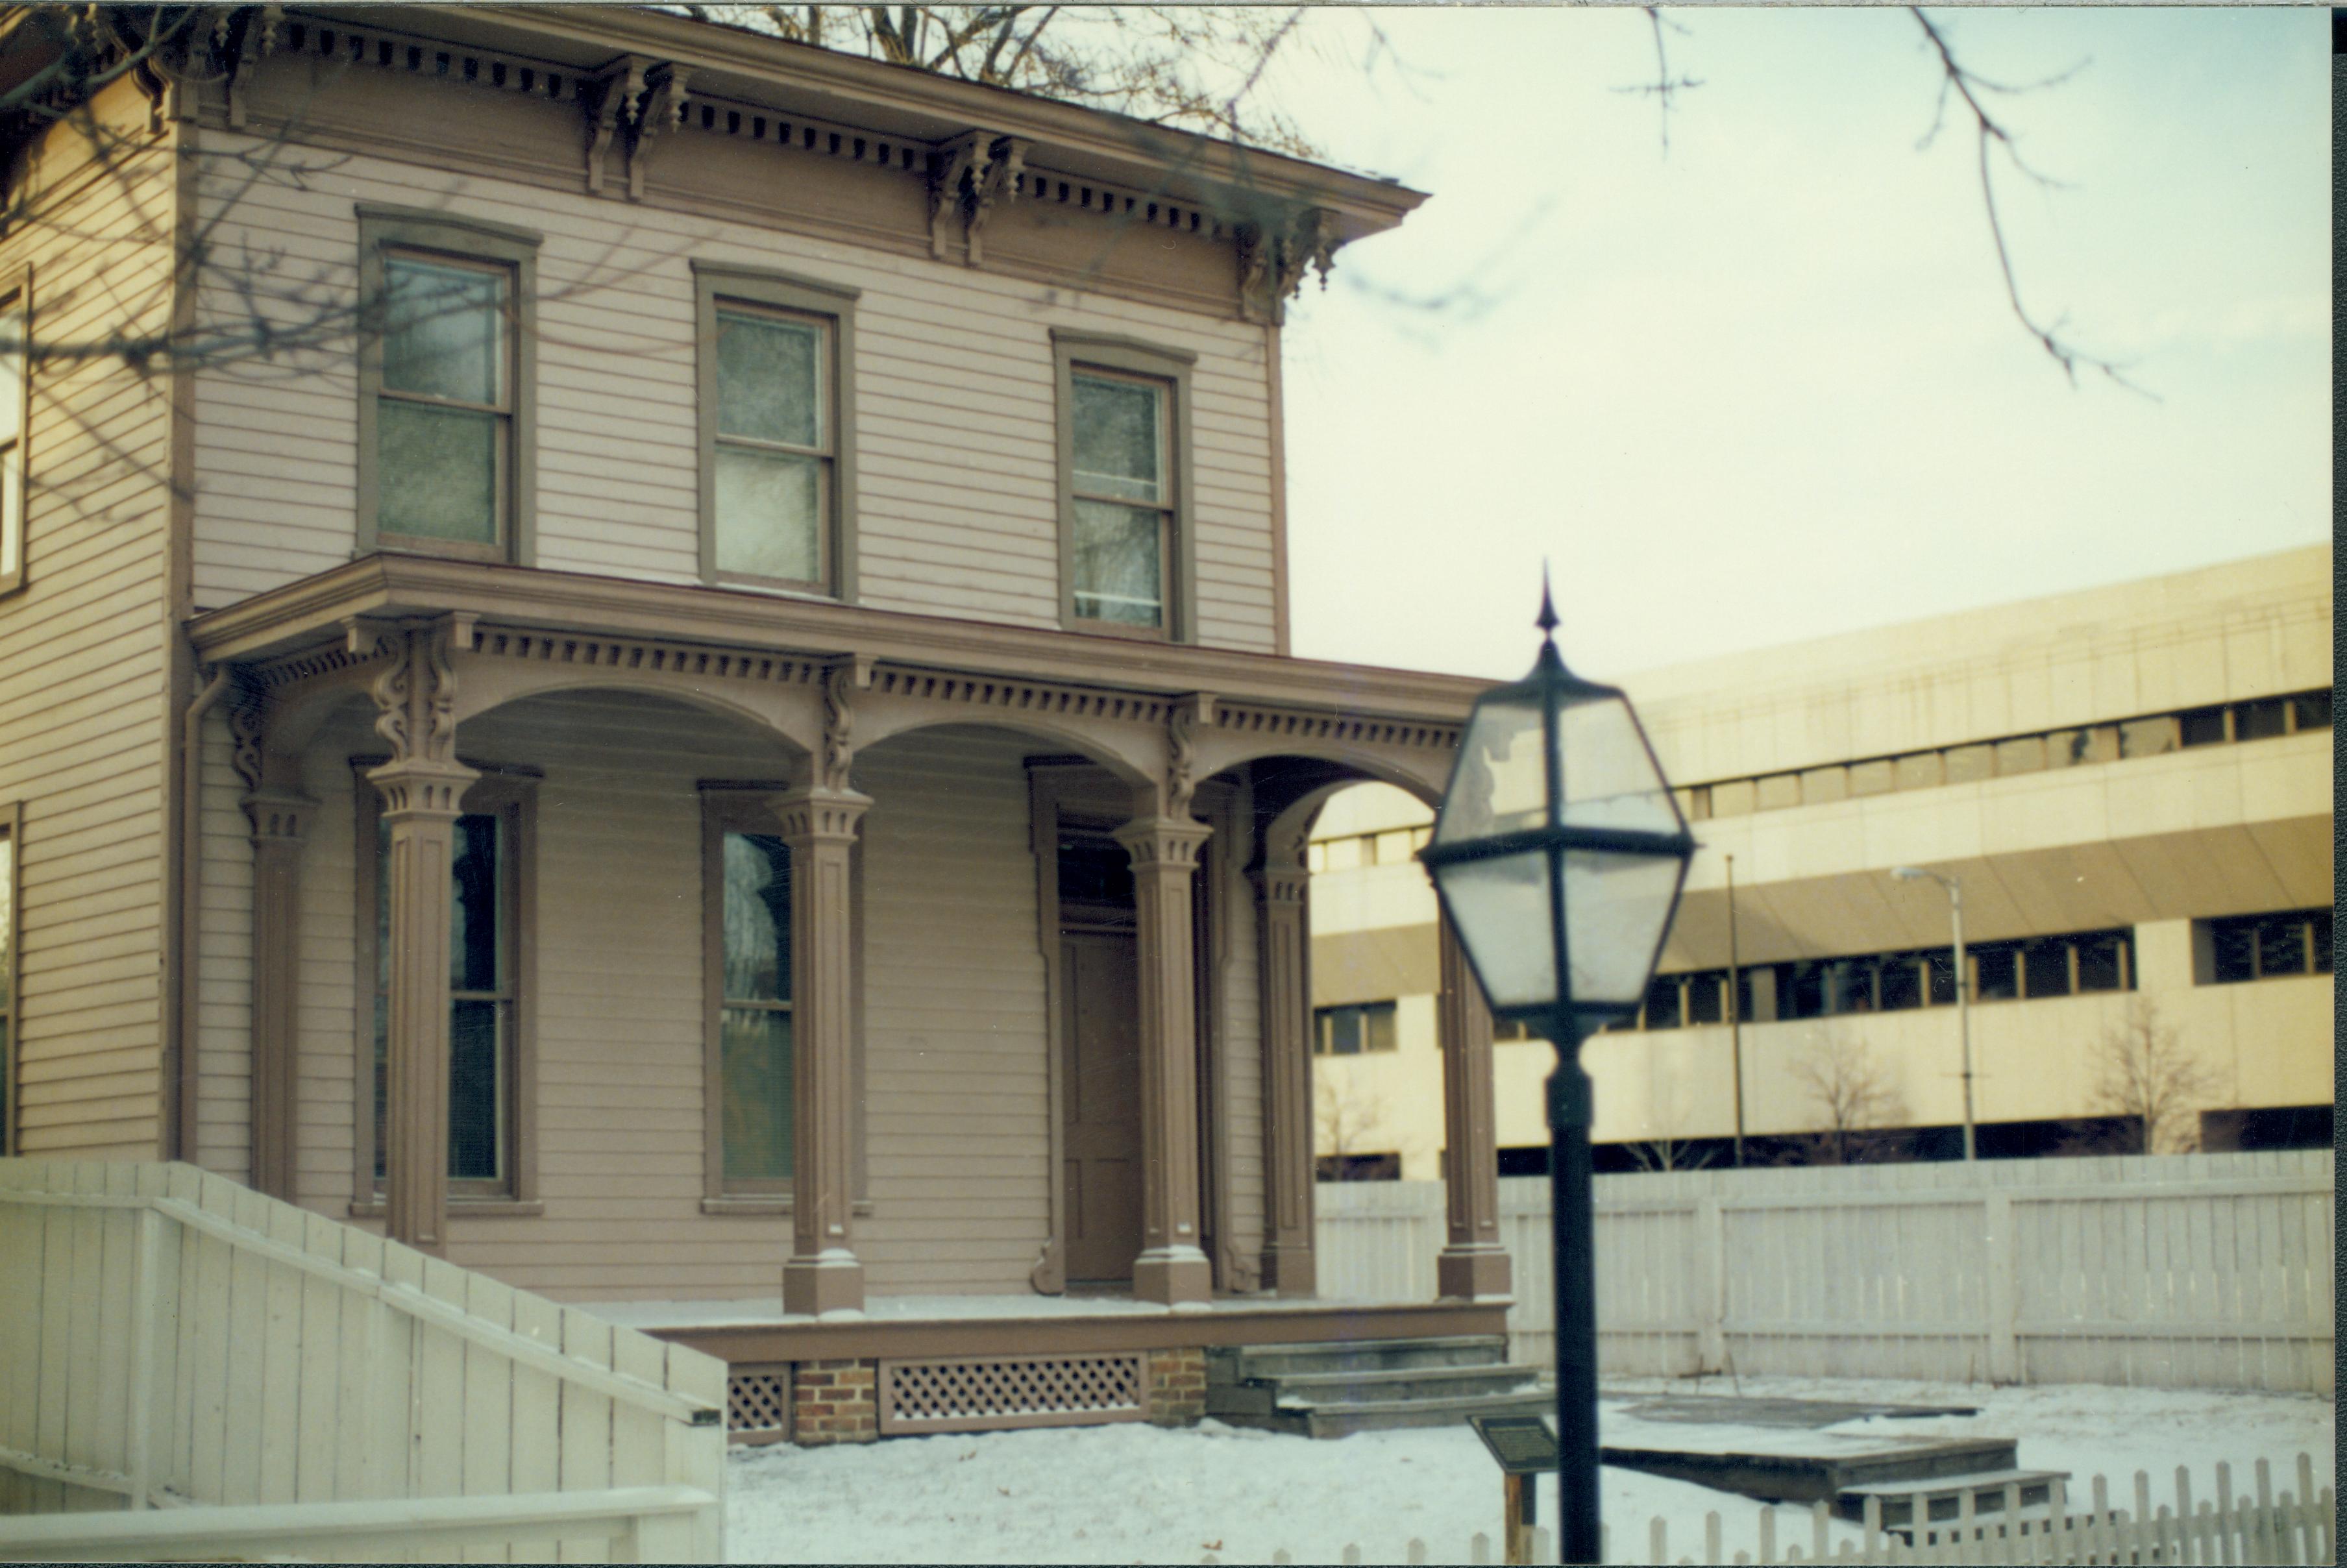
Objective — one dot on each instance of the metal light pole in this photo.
(1558, 855)
(1963, 981)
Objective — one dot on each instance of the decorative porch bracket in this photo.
(1472, 1263)
(1283, 889)
(823, 1274)
(422, 786)
(1172, 1267)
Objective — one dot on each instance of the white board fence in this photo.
(2158, 1271)
(170, 1340)
(2290, 1526)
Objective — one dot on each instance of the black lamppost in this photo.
(1559, 855)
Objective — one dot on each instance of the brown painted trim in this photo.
(1044, 780)
(1275, 400)
(182, 855)
(1061, 1335)
(893, 100)
(833, 305)
(382, 228)
(312, 610)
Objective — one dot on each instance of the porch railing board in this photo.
(168, 1338)
(2197, 1271)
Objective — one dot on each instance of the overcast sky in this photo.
(1768, 387)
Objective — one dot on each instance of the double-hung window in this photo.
(490, 1103)
(1126, 558)
(16, 417)
(777, 472)
(447, 383)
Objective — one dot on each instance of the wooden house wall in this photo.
(955, 404)
(84, 714)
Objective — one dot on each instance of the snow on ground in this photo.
(1136, 1494)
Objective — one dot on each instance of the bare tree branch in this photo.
(1665, 87)
(1962, 83)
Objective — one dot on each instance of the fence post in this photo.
(2003, 1320)
(144, 1264)
(1711, 1319)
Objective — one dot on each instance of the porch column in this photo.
(1164, 850)
(277, 817)
(422, 786)
(1472, 1263)
(823, 1274)
(1283, 920)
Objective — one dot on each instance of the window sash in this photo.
(497, 414)
(821, 454)
(1101, 504)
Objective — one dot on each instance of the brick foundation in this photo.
(837, 1402)
(1175, 1381)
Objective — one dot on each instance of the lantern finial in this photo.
(1547, 621)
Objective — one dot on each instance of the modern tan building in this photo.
(2132, 787)
(657, 660)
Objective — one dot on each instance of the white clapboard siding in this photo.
(2296, 1525)
(171, 1339)
(82, 714)
(957, 488)
(2162, 1271)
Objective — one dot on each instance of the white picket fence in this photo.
(2162, 1271)
(189, 1367)
(2287, 1527)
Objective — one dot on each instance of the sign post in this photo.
(1526, 1450)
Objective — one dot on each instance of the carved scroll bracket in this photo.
(613, 102)
(840, 684)
(969, 175)
(415, 712)
(1272, 262)
(660, 111)
(241, 39)
(1181, 727)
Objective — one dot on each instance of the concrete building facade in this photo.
(2132, 786)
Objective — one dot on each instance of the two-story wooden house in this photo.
(657, 659)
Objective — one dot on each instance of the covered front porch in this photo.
(1013, 1008)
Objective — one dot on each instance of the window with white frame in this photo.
(1126, 554)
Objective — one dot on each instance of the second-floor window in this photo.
(447, 384)
(1351, 1030)
(443, 414)
(777, 431)
(1125, 550)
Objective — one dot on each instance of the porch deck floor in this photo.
(767, 1311)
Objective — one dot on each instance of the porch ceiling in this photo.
(324, 611)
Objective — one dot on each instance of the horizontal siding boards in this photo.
(955, 406)
(954, 1016)
(224, 947)
(82, 720)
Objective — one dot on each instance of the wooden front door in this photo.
(1102, 1147)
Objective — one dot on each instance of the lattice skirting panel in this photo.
(987, 1393)
(758, 1405)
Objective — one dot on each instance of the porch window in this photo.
(489, 1062)
(1126, 547)
(16, 416)
(754, 1026)
(445, 444)
(777, 471)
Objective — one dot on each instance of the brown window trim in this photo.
(1071, 351)
(512, 792)
(728, 807)
(383, 229)
(833, 305)
(11, 833)
(15, 284)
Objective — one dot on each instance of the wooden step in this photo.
(1344, 1418)
(1253, 1363)
(1941, 1497)
(1260, 1396)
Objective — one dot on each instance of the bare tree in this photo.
(2145, 1073)
(1669, 1150)
(1347, 1115)
(1855, 1099)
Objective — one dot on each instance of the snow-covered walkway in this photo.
(1134, 1493)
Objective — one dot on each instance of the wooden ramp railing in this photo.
(169, 1339)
